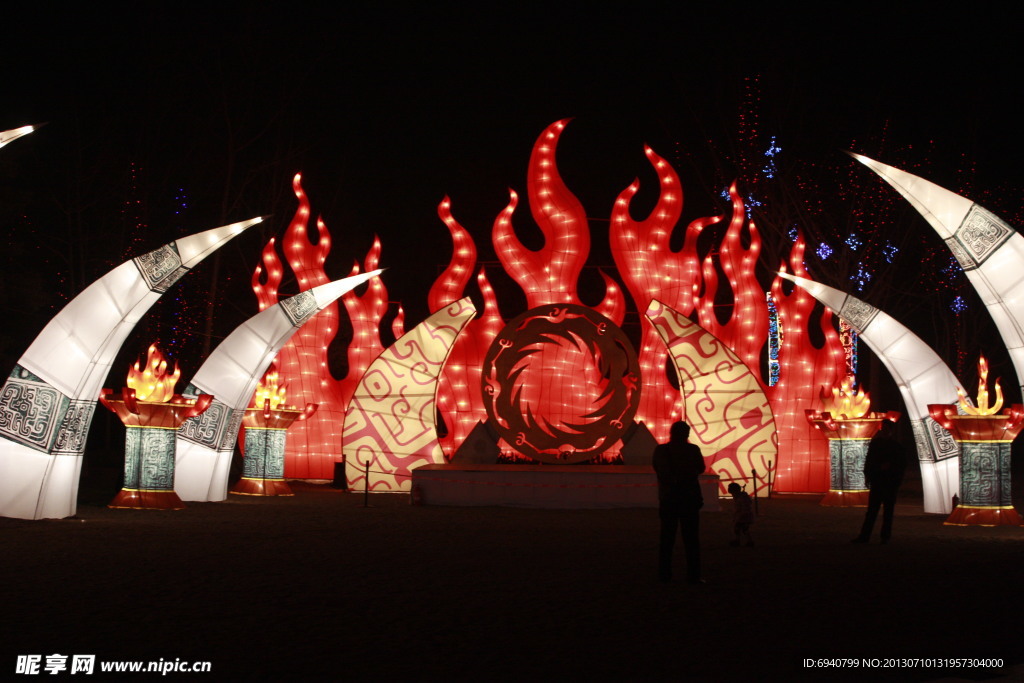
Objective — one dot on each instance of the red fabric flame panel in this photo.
(650, 269)
(314, 445)
(804, 372)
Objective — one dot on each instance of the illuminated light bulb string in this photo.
(132, 216)
(858, 228)
(460, 395)
(179, 318)
(187, 313)
(774, 340)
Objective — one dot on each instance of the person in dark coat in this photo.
(883, 472)
(678, 465)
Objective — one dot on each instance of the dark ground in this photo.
(317, 586)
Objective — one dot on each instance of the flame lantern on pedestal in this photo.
(152, 413)
(984, 435)
(266, 423)
(849, 427)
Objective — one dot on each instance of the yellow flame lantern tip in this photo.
(983, 407)
(270, 389)
(846, 403)
(153, 384)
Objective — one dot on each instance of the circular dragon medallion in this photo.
(561, 383)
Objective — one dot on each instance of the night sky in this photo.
(385, 111)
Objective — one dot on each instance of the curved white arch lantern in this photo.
(922, 378)
(8, 136)
(987, 248)
(47, 403)
(205, 443)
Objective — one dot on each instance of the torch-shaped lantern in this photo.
(266, 422)
(152, 412)
(846, 422)
(984, 435)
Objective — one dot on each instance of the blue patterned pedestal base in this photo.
(263, 466)
(265, 432)
(149, 447)
(848, 441)
(148, 470)
(847, 487)
(985, 494)
(985, 498)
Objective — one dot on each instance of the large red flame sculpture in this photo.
(650, 269)
(684, 280)
(314, 445)
(460, 397)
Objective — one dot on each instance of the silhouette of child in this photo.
(743, 515)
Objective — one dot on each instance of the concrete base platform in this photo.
(544, 486)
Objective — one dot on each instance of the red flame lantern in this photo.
(314, 445)
(548, 277)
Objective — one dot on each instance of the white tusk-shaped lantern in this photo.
(990, 251)
(922, 378)
(205, 444)
(51, 395)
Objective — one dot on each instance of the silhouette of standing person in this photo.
(678, 465)
(883, 471)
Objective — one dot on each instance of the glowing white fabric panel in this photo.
(391, 422)
(76, 348)
(205, 443)
(922, 378)
(47, 404)
(990, 251)
(15, 133)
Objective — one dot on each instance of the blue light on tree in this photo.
(180, 202)
(953, 268)
(770, 169)
(889, 251)
(750, 201)
(862, 277)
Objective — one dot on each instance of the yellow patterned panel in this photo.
(725, 405)
(390, 423)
